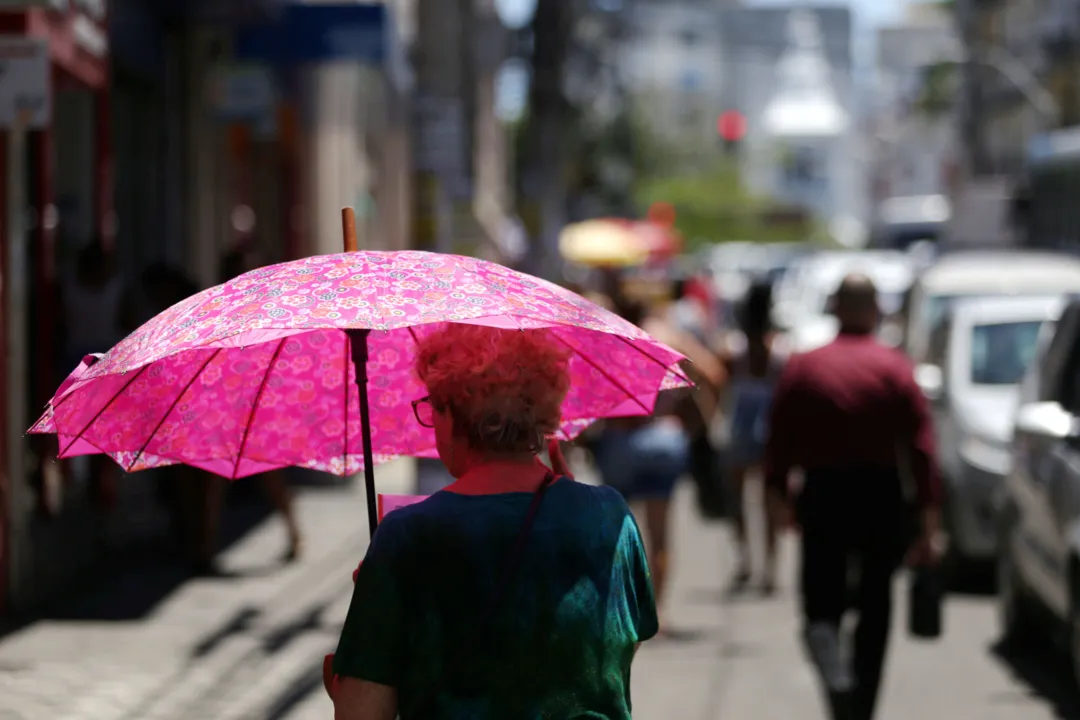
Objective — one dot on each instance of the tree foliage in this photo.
(714, 206)
(937, 91)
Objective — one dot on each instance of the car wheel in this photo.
(1014, 604)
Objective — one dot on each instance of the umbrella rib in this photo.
(255, 406)
(678, 373)
(103, 409)
(603, 372)
(139, 454)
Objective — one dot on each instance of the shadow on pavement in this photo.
(1044, 669)
(240, 623)
(309, 621)
(311, 683)
(130, 584)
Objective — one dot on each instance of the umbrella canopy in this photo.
(260, 373)
(615, 243)
(603, 243)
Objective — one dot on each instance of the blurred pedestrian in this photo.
(644, 457)
(694, 309)
(693, 312)
(516, 592)
(688, 313)
(97, 312)
(753, 366)
(180, 486)
(163, 286)
(237, 262)
(850, 415)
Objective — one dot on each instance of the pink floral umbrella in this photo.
(255, 374)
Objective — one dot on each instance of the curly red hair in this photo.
(504, 388)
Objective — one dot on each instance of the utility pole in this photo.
(542, 185)
(972, 73)
(441, 140)
(491, 202)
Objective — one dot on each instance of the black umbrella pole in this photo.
(358, 347)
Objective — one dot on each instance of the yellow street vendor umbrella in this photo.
(603, 243)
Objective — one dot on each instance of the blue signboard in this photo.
(318, 33)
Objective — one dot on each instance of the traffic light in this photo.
(731, 126)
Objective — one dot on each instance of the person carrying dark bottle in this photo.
(851, 417)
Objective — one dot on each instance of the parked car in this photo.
(977, 357)
(978, 275)
(1039, 508)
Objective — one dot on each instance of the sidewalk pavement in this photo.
(251, 647)
(222, 648)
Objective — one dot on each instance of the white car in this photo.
(982, 275)
(803, 302)
(976, 359)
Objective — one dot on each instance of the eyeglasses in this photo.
(424, 411)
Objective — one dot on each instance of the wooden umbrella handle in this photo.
(348, 229)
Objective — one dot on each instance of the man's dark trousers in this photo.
(852, 519)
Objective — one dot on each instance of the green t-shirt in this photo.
(561, 643)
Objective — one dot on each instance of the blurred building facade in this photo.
(179, 130)
(1018, 50)
(461, 201)
(914, 144)
(674, 68)
(790, 75)
(913, 139)
(1021, 78)
(1017, 89)
(173, 132)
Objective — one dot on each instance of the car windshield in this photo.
(937, 306)
(1000, 352)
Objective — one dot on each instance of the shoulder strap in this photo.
(519, 548)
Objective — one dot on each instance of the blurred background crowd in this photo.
(672, 159)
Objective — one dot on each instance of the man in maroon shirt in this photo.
(852, 418)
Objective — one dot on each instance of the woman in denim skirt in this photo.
(644, 457)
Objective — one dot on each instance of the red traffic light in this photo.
(731, 126)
